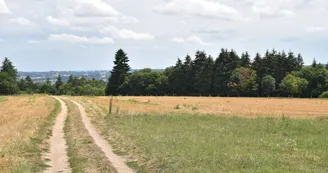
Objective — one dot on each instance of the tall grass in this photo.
(205, 143)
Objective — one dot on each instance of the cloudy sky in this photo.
(42, 35)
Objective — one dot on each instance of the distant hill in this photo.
(52, 75)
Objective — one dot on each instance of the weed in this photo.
(177, 106)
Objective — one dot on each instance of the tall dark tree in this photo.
(326, 66)
(9, 68)
(59, 82)
(314, 63)
(8, 75)
(258, 66)
(202, 71)
(245, 60)
(70, 79)
(118, 74)
(187, 78)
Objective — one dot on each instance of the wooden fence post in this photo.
(110, 105)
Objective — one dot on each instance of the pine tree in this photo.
(314, 63)
(8, 75)
(187, 77)
(326, 65)
(70, 79)
(245, 60)
(118, 74)
(9, 68)
(59, 82)
(258, 66)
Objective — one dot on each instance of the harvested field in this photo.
(23, 126)
(246, 107)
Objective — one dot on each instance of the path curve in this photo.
(117, 162)
(58, 155)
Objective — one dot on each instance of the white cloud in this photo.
(94, 8)
(126, 34)
(202, 8)
(3, 7)
(197, 40)
(178, 40)
(57, 22)
(79, 39)
(315, 29)
(192, 39)
(267, 11)
(20, 21)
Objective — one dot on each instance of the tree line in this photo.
(75, 86)
(278, 74)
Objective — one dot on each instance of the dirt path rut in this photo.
(115, 160)
(58, 155)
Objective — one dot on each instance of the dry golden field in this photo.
(20, 119)
(247, 107)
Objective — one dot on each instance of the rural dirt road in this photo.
(58, 155)
(117, 162)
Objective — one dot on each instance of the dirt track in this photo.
(58, 155)
(117, 162)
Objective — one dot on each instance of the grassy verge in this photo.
(206, 143)
(84, 154)
(32, 150)
(3, 99)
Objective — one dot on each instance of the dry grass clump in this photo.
(21, 118)
(246, 107)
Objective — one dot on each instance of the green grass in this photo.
(84, 155)
(3, 99)
(205, 143)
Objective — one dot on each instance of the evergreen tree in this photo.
(314, 63)
(326, 66)
(118, 74)
(70, 79)
(258, 66)
(8, 75)
(202, 71)
(59, 82)
(9, 68)
(187, 77)
(245, 60)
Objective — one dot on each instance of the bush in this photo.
(324, 95)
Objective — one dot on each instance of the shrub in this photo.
(324, 95)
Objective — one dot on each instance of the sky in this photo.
(44, 35)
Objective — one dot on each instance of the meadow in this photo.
(191, 134)
(170, 134)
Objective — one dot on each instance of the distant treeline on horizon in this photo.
(274, 73)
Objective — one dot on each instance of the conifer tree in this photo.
(118, 74)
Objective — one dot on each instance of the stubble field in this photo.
(25, 123)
